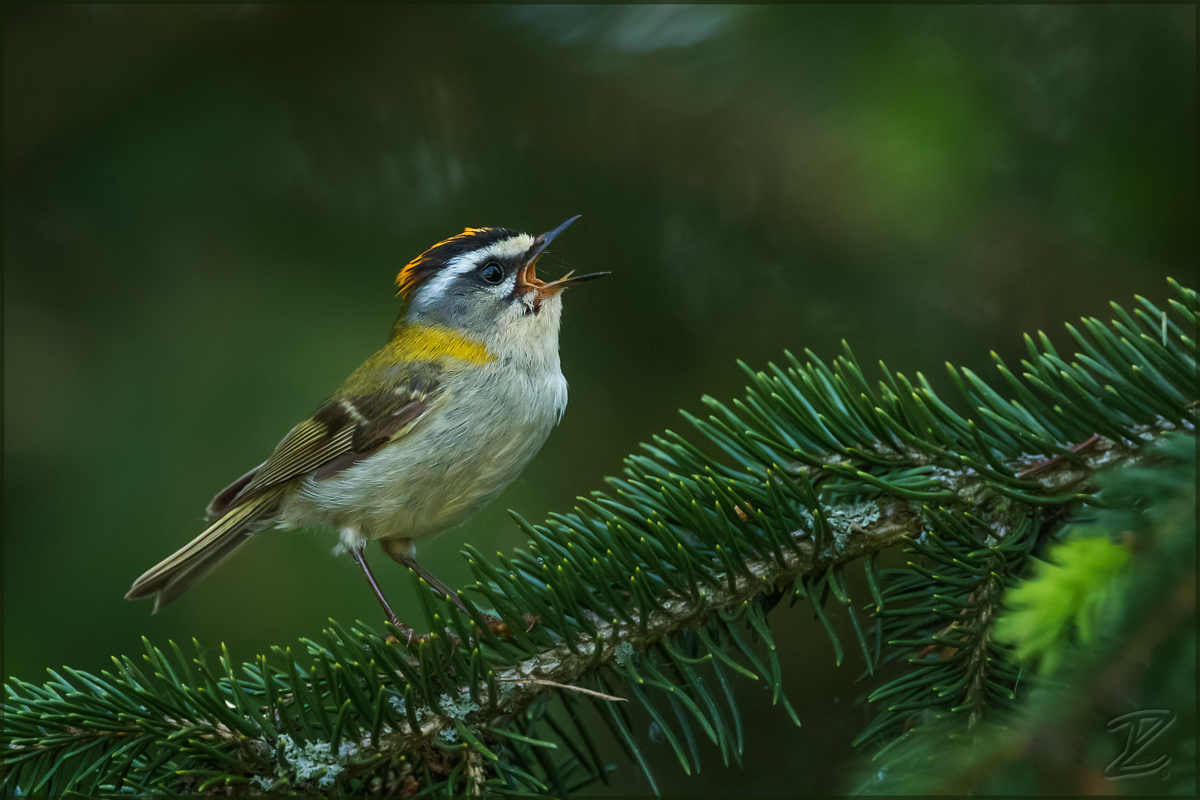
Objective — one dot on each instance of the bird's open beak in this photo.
(527, 275)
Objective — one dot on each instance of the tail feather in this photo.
(173, 575)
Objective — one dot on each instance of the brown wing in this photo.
(344, 430)
(224, 499)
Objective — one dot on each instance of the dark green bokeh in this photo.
(205, 208)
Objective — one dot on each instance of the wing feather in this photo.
(300, 457)
(343, 431)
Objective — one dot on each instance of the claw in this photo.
(501, 629)
(411, 637)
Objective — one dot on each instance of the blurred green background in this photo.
(205, 208)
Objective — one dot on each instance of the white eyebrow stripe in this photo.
(467, 262)
(512, 246)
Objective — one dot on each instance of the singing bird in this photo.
(427, 431)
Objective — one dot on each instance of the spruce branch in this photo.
(651, 591)
(1130, 648)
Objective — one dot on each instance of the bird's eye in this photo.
(492, 272)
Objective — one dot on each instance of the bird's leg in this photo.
(402, 551)
(408, 632)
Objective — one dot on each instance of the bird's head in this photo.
(483, 282)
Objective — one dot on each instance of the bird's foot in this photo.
(409, 635)
(412, 638)
(501, 629)
(496, 625)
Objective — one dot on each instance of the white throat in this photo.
(528, 338)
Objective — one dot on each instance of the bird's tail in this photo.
(173, 575)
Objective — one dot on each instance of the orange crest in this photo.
(425, 266)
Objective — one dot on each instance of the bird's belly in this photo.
(433, 479)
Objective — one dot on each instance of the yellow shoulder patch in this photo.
(435, 343)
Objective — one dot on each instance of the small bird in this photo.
(426, 432)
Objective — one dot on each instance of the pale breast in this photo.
(483, 431)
